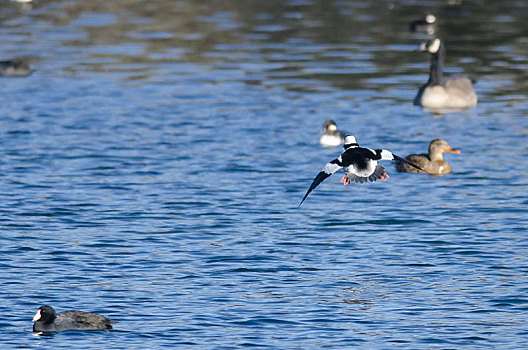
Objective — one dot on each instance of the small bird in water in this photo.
(433, 162)
(46, 320)
(14, 68)
(425, 25)
(360, 165)
(332, 137)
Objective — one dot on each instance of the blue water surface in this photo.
(153, 164)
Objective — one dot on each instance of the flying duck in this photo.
(46, 320)
(332, 137)
(14, 68)
(360, 165)
(426, 24)
(433, 163)
(440, 92)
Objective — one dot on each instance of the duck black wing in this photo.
(400, 159)
(383, 154)
(327, 170)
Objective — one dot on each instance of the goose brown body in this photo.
(432, 163)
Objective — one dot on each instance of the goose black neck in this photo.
(437, 67)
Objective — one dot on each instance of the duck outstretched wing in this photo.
(400, 159)
(327, 170)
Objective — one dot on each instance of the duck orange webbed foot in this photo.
(384, 176)
(345, 180)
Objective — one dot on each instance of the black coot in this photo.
(46, 320)
(15, 68)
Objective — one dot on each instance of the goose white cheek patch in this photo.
(435, 46)
(430, 19)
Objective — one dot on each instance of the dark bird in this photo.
(440, 92)
(433, 162)
(46, 320)
(425, 25)
(360, 165)
(332, 137)
(15, 68)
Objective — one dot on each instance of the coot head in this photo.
(45, 314)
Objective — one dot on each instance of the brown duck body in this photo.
(433, 162)
(436, 167)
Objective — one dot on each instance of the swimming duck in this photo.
(426, 25)
(433, 163)
(332, 137)
(440, 92)
(360, 165)
(14, 68)
(46, 320)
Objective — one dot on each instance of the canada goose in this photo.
(440, 92)
(433, 162)
(332, 136)
(426, 25)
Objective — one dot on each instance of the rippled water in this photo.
(153, 163)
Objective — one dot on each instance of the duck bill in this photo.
(450, 150)
(37, 316)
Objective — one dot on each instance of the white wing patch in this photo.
(434, 46)
(331, 168)
(386, 155)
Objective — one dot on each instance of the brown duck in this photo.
(433, 163)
